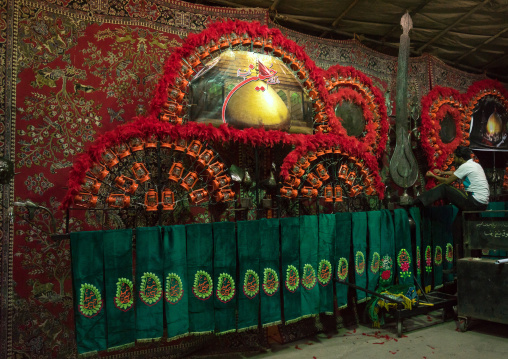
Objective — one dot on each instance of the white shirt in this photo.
(474, 180)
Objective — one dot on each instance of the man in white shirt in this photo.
(476, 194)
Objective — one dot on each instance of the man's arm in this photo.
(445, 180)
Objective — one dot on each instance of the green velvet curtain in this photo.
(149, 284)
(417, 252)
(269, 235)
(360, 253)
(176, 284)
(200, 274)
(290, 258)
(326, 258)
(308, 265)
(374, 230)
(87, 253)
(119, 288)
(343, 228)
(403, 247)
(387, 265)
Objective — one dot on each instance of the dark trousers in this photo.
(463, 200)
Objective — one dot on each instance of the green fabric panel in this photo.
(326, 259)
(437, 230)
(427, 253)
(343, 227)
(248, 257)
(417, 253)
(176, 283)
(388, 261)
(308, 265)
(200, 278)
(120, 313)
(449, 246)
(87, 253)
(290, 258)
(224, 242)
(374, 227)
(360, 253)
(269, 233)
(403, 247)
(149, 283)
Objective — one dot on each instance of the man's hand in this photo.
(430, 174)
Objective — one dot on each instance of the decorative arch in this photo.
(350, 87)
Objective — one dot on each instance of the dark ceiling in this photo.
(466, 34)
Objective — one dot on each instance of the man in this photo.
(476, 196)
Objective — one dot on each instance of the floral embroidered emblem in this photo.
(124, 299)
(438, 259)
(226, 288)
(203, 285)
(418, 261)
(324, 272)
(342, 269)
(308, 277)
(428, 259)
(90, 300)
(359, 262)
(150, 290)
(386, 270)
(174, 288)
(250, 284)
(292, 278)
(270, 281)
(404, 260)
(374, 265)
(449, 252)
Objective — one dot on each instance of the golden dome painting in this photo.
(247, 89)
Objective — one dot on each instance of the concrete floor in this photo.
(428, 337)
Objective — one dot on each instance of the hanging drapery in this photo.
(249, 280)
(441, 232)
(308, 265)
(119, 289)
(325, 259)
(290, 258)
(200, 274)
(387, 268)
(374, 230)
(342, 251)
(417, 262)
(149, 284)
(427, 254)
(176, 284)
(88, 281)
(225, 293)
(360, 253)
(269, 264)
(448, 250)
(403, 247)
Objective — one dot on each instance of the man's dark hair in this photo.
(463, 152)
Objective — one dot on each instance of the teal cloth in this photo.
(200, 274)
(360, 253)
(417, 253)
(250, 279)
(290, 258)
(269, 233)
(449, 247)
(308, 265)
(441, 218)
(149, 283)
(326, 258)
(374, 227)
(403, 247)
(427, 253)
(343, 230)
(176, 283)
(120, 313)
(87, 253)
(388, 260)
(224, 236)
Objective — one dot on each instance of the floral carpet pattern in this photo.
(71, 70)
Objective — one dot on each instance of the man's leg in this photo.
(447, 193)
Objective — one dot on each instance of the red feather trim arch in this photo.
(338, 79)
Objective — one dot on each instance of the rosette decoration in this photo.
(331, 173)
(200, 53)
(356, 108)
(444, 127)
